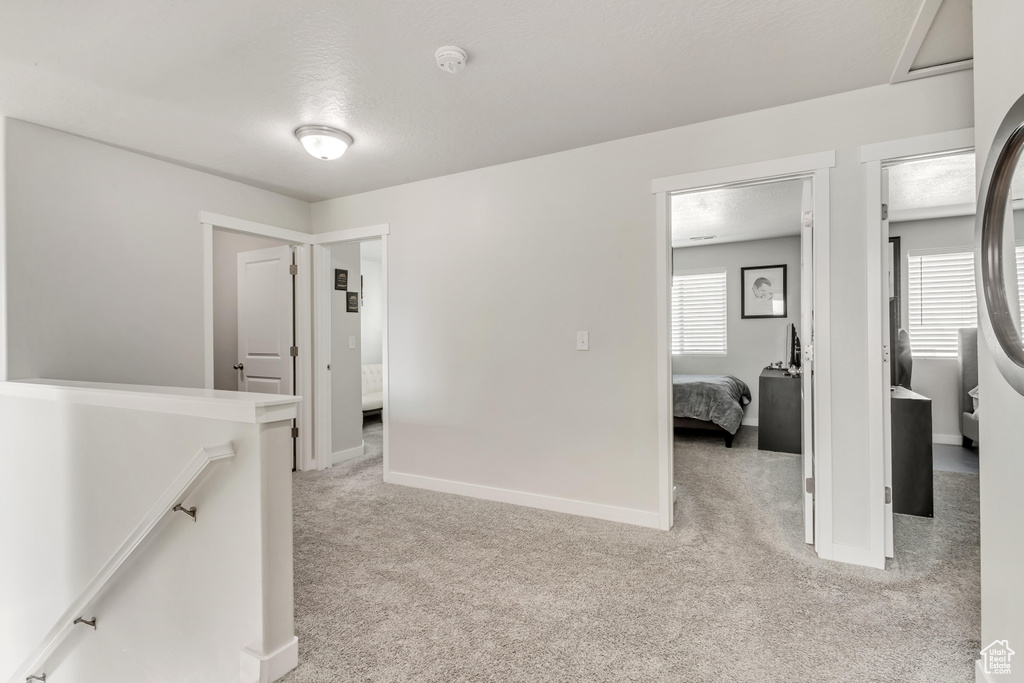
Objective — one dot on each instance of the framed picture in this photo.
(352, 299)
(340, 279)
(763, 292)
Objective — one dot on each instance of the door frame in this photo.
(817, 167)
(305, 322)
(874, 158)
(322, 286)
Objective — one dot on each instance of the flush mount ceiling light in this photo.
(323, 142)
(451, 59)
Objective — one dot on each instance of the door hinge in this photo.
(808, 353)
(888, 495)
(885, 353)
(293, 269)
(808, 219)
(295, 432)
(885, 212)
(809, 485)
(294, 351)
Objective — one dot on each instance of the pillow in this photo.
(975, 394)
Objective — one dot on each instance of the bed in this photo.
(710, 403)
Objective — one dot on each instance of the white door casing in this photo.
(265, 321)
(887, 267)
(806, 353)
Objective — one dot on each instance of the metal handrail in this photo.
(32, 669)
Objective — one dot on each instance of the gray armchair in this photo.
(967, 379)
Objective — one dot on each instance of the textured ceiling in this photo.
(221, 85)
(940, 183)
(737, 214)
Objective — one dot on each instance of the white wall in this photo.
(371, 317)
(999, 82)
(753, 343)
(195, 595)
(346, 363)
(226, 248)
(935, 378)
(104, 252)
(492, 272)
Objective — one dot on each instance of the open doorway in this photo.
(741, 276)
(804, 343)
(930, 320)
(356, 350)
(254, 316)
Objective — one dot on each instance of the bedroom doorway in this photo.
(924, 308)
(742, 339)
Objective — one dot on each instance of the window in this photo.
(942, 300)
(699, 313)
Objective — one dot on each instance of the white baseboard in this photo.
(855, 555)
(948, 439)
(531, 500)
(347, 454)
(749, 422)
(979, 673)
(257, 668)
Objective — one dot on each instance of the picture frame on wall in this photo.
(763, 292)
(340, 279)
(352, 302)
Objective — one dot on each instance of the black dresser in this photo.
(912, 453)
(779, 412)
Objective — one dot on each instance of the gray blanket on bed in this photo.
(715, 398)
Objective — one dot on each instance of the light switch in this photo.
(351, 342)
(582, 341)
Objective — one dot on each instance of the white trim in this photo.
(533, 500)
(347, 454)
(252, 228)
(352, 234)
(3, 253)
(948, 439)
(948, 142)
(305, 459)
(762, 170)
(385, 363)
(155, 518)
(873, 158)
(877, 241)
(865, 557)
(663, 299)
(235, 406)
(322, 287)
(904, 70)
(208, 350)
(257, 668)
(822, 339)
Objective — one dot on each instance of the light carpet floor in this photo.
(399, 584)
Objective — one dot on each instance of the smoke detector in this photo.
(451, 59)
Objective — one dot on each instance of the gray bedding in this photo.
(713, 398)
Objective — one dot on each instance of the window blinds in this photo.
(699, 313)
(942, 300)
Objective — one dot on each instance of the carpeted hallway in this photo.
(398, 584)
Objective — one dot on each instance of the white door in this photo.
(887, 292)
(807, 353)
(265, 322)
